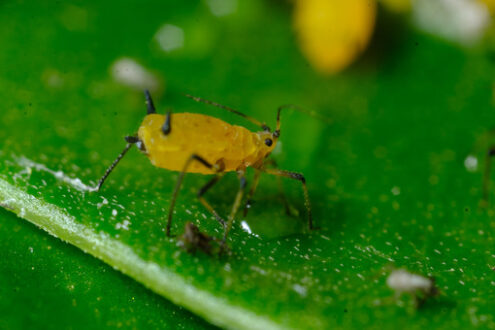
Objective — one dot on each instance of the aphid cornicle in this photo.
(196, 143)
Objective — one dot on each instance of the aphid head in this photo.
(268, 140)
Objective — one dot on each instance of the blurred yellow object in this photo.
(332, 33)
(398, 6)
(490, 4)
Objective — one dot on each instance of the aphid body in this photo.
(196, 143)
(233, 147)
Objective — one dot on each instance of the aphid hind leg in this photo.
(487, 174)
(215, 168)
(131, 140)
(289, 209)
(249, 200)
(237, 203)
(299, 177)
(204, 189)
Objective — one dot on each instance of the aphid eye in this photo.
(268, 142)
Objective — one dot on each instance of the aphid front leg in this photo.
(237, 203)
(299, 177)
(216, 168)
(203, 190)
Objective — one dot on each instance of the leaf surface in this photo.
(387, 178)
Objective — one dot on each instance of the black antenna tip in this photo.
(149, 102)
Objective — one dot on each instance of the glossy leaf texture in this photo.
(387, 177)
(49, 284)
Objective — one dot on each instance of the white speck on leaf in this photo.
(471, 163)
(301, 290)
(130, 73)
(403, 281)
(222, 7)
(170, 37)
(462, 21)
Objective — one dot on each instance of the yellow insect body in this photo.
(218, 142)
(196, 143)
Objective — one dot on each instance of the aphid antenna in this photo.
(221, 106)
(310, 113)
(149, 102)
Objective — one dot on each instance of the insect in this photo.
(193, 239)
(420, 287)
(196, 143)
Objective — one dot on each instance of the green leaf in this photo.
(46, 283)
(387, 179)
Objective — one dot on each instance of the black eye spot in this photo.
(268, 142)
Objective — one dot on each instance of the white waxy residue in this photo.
(222, 7)
(103, 202)
(124, 225)
(130, 73)
(401, 280)
(301, 290)
(74, 182)
(247, 229)
(471, 163)
(170, 37)
(462, 21)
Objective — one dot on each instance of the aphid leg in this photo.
(131, 140)
(237, 203)
(295, 176)
(486, 175)
(249, 200)
(215, 168)
(204, 189)
(289, 209)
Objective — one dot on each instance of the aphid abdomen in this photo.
(211, 138)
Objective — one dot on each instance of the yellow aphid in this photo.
(195, 143)
(219, 143)
(332, 33)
